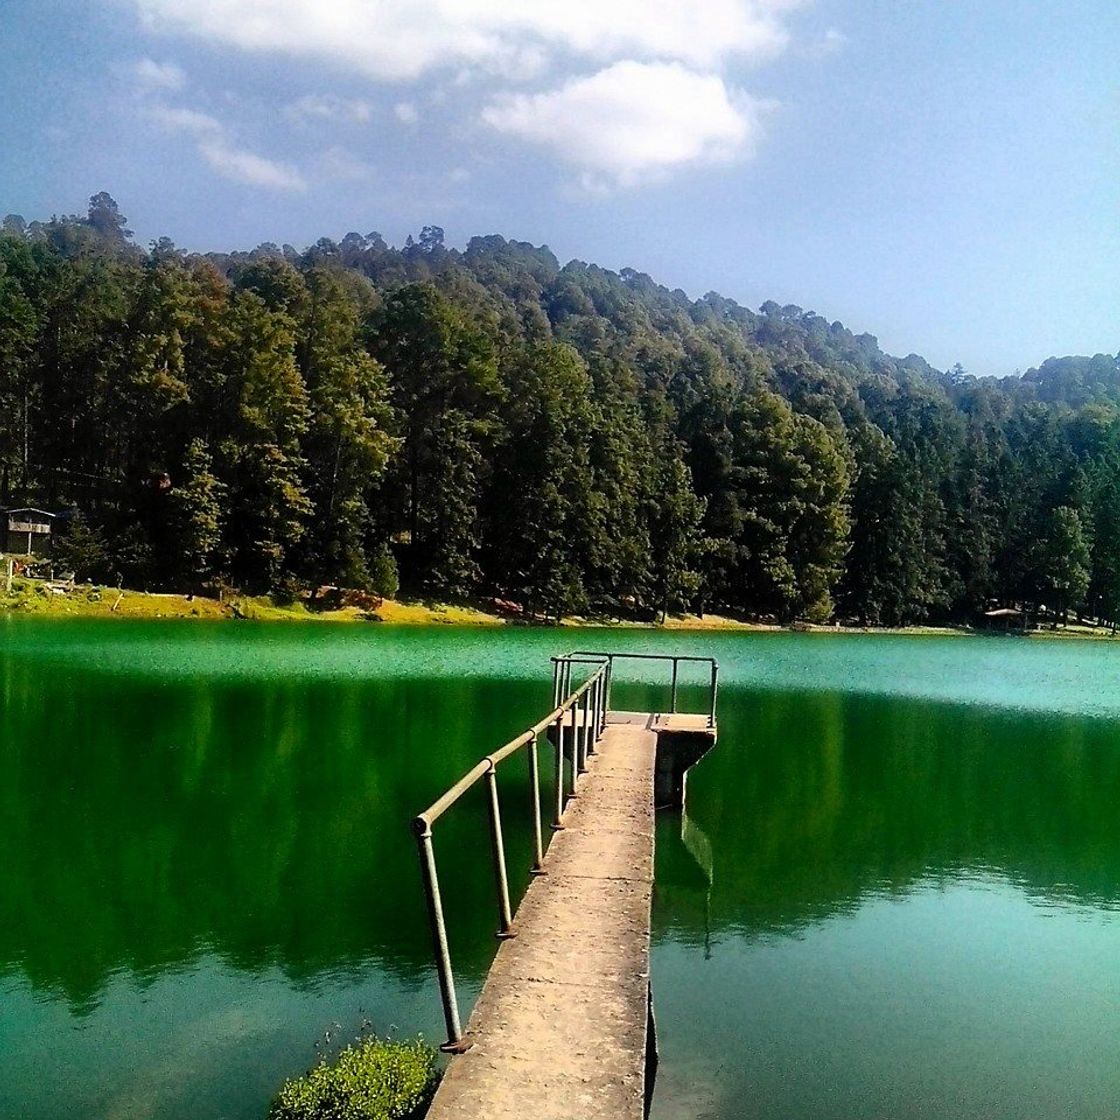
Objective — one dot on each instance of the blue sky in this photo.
(945, 175)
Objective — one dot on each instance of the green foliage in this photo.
(384, 579)
(445, 387)
(567, 437)
(81, 549)
(538, 525)
(370, 1080)
(196, 514)
(1062, 560)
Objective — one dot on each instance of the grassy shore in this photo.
(39, 598)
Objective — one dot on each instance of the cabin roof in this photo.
(30, 509)
(1003, 612)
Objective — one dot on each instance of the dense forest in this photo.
(485, 422)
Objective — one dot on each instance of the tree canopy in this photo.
(488, 422)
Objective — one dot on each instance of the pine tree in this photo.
(348, 444)
(542, 474)
(262, 453)
(445, 389)
(196, 510)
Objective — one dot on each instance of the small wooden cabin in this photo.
(29, 531)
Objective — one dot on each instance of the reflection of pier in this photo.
(562, 1027)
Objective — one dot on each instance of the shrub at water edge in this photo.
(371, 1080)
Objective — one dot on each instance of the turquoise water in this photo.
(896, 890)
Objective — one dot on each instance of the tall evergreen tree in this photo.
(446, 389)
(197, 507)
(542, 492)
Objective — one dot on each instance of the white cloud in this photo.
(186, 120)
(634, 122)
(651, 97)
(459, 175)
(406, 112)
(402, 39)
(327, 107)
(339, 165)
(248, 168)
(218, 149)
(158, 75)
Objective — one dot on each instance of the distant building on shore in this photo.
(28, 531)
(1005, 618)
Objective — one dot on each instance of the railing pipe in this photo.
(572, 747)
(535, 783)
(606, 697)
(439, 937)
(676, 659)
(714, 689)
(440, 806)
(584, 729)
(557, 823)
(598, 693)
(505, 915)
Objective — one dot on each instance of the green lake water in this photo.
(895, 893)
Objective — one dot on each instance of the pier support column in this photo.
(677, 753)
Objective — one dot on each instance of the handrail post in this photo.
(673, 705)
(555, 681)
(594, 713)
(572, 749)
(604, 703)
(715, 686)
(596, 700)
(585, 728)
(556, 820)
(535, 782)
(455, 1042)
(505, 917)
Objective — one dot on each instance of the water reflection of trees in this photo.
(812, 802)
(147, 823)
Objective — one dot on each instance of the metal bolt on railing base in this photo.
(460, 1047)
(556, 827)
(506, 934)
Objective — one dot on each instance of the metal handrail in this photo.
(582, 735)
(676, 659)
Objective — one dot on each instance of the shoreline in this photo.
(37, 599)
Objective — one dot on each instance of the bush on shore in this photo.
(373, 1079)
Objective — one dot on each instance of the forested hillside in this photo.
(487, 422)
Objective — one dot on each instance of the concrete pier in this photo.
(560, 1031)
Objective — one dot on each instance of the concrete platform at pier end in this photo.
(560, 1029)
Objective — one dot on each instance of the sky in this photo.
(944, 174)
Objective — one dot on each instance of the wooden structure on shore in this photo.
(28, 531)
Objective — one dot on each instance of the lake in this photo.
(895, 891)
